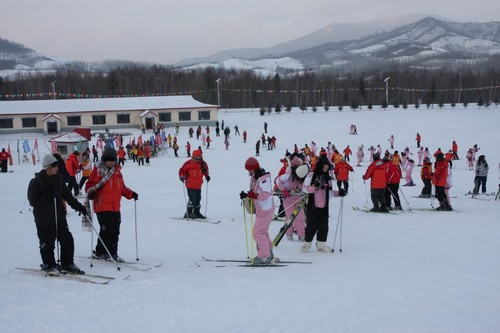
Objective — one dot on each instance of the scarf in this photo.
(106, 175)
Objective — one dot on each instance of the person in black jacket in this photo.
(47, 194)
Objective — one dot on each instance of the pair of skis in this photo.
(86, 278)
(248, 263)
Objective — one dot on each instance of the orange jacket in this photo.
(342, 170)
(193, 173)
(121, 153)
(426, 171)
(86, 168)
(377, 172)
(72, 165)
(440, 173)
(108, 197)
(336, 158)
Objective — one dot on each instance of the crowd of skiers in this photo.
(304, 185)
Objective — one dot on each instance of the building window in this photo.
(123, 118)
(62, 149)
(165, 117)
(99, 120)
(29, 122)
(185, 116)
(6, 123)
(74, 120)
(203, 115)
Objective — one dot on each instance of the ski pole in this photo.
(136, 242)
(57, 232)
(285, 208)
(339, 222)
(404, 197)
(206, 200)
(366, 194)
(185, 200)
(251, 230)
(24, 204)
(245, 223)
(103, 244)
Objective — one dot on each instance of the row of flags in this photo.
(198, 92)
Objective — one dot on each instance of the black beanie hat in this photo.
(109, 154)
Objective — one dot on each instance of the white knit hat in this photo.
(48, 160)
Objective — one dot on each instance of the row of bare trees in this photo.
(244, 89)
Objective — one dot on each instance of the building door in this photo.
(52, 127)
(150, 123)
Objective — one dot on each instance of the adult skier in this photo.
(48, 195)
(106, 188)
(377, 172)
(439, 179)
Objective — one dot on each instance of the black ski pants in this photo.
(392, 191)
(47, 235)
(317, 224)
(109, 232)
(378, 198)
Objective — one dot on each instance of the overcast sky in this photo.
(167, 31)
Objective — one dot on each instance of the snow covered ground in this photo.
(416, 271)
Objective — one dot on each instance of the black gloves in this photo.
(341, 192)
(82, 210)
(135, 196)
(207, 178)
(91, 195)
(243, 195)
(181, 178)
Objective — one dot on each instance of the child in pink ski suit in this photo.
(291, 187)
(261, 187)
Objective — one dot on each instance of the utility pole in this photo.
(387, 90)
(53, 84)
(218, 91)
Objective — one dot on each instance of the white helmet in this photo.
(302, 171)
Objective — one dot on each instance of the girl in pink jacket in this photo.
(290, 184)
(261, 187)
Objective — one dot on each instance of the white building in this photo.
(64, 115)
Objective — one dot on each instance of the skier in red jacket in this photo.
(191, 174)
(377, 172)
(106, 188)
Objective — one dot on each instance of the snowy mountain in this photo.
(334, 32)
(18, 59)
(429, 43)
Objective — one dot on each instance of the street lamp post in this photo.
(218, 91)
(387, 90)
(53, 84)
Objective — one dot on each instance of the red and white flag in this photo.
(35, 145)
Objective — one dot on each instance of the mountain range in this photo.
(427, 42)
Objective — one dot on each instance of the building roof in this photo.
(69, 137)
(100, 104)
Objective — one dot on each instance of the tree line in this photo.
(246, 89)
